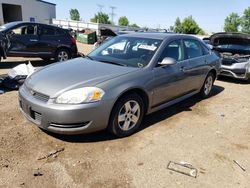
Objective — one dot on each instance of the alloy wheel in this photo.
(63, 56)
(129, 115)
(208, 85)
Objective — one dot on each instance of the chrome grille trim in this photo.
(37, 95)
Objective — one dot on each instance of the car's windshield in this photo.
(7, 26)
(127, 51)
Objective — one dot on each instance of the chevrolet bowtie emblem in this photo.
(32, 92)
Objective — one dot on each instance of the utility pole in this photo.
(112, 14)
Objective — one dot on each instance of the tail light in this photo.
(73, 40)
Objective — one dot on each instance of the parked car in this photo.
(114, 88)
(29, 39)
(104, 35)
(234, 49)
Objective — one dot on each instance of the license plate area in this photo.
(33, 115)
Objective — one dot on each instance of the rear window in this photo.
(193, 49)
(48, 31)
(60, 31)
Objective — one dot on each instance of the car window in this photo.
(25, 30)
(115, 48)
(128, 51)
(192, 48)
(48, 31)
(205, 49)
(173, 50)
(59, 32)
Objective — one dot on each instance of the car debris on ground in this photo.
(16, 77)
(1, 91)
(239, 165)
(222, 114)
(51, 154)
(183, 168)
(37, 173)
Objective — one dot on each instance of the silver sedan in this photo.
(117, 84)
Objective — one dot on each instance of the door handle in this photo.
(33, 40)
(183, 69)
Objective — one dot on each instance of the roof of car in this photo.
(25, 22)
(158, 35)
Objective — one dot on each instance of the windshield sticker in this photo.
(147, 47)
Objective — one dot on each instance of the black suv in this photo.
(27, 39)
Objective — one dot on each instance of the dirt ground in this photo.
(209, 134)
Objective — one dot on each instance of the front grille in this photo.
(40, 96)
(36, 116)
(228, 61)
(37, 95)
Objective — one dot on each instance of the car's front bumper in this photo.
(237, 70)
(65, 119)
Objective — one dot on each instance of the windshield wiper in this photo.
(114, 63)
(88, 57)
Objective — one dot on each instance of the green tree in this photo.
(189, 26)
(177, 26)
(245, 21)
(171, 29)
(134, 25)
(74, 14)
(101, 17)
(123, 21)
(232, 23)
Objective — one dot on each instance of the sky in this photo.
(209, 14)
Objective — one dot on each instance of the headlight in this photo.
(81, 95)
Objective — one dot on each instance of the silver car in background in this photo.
(234, 49)
(117, 84)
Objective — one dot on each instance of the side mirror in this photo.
(168, 61)
(210, 46)
(11, 33)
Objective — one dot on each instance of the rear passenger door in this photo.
(49, 39)
(196, 66)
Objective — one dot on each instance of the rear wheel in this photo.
(207, 86)
(62, 55)
(126, 116)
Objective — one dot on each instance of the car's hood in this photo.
(229, 38)
(81, 72)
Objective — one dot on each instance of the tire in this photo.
(62, 54)
(206, 89)
(123, 120)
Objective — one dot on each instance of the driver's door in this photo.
(23, 40)
(170, 80)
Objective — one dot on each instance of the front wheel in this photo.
(126, 116)
(62, 55)
(206, 89)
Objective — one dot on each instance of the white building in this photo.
(27, 10)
